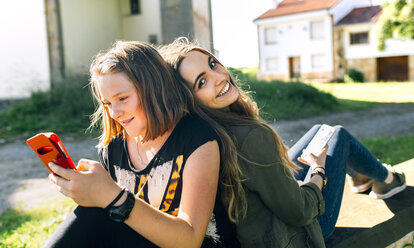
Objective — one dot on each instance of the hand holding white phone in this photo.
(316, 145)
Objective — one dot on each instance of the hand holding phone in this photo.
(318, 142)
(49, 148)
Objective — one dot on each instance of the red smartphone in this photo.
(49, 148)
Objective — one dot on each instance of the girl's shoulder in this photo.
(250, 133)
(196, 126)
(190, 133)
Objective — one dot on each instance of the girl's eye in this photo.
(213, 64)
(123, 98)
(106, 104)
(201, 83)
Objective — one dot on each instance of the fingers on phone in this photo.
(303, 161)
(324, 150)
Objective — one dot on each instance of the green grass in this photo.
(370, 92)
(32, 228)
(391, 150)
(280, 100)
(63, 109)
(291, 100)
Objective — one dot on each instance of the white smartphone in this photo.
(317, 143)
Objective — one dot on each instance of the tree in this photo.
(396, 21)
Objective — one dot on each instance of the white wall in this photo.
(201, 20)
(139, 27)
(88, 26)
(359, 51)
(294, 40)
(24, 62)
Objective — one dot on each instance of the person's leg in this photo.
(345, 151)
(91, 227)
(360, 159)
(335, 168)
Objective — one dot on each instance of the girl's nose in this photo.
(115, 112)
(219, 77)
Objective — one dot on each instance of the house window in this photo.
(270, 35)
(135, 6)
(318, 61)
(359, 38)
(271, 64)
(316, 30)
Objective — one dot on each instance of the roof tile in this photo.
(361, 15)
(288, 7)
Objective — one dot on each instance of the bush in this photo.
(353, 75)
(245, 75)
(65, 108)
(289, 100)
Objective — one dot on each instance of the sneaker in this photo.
(381, 190)
(359, 183)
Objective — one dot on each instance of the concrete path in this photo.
(364, 222)
(385, 119)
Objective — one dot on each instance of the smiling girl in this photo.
(156, 182)
(281, 210)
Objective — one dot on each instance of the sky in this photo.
(234, 34)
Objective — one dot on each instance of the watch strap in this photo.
(322, 175)
(116, 199)
(121, 213)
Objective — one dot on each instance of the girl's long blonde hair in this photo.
(242, 112)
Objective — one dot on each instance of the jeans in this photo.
(345, 155)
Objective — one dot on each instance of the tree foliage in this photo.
(396, 21)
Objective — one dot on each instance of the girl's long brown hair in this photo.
(163, 98)
(242, 112)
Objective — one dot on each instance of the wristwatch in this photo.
(322, 175)
(121, 213)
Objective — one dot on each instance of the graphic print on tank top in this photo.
(158, 186)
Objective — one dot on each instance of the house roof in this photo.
(288, 7)
(361, 15)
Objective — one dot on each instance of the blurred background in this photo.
(294, 55)
(45, 41)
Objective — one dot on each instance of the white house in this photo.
(43, 41)
(356, 36)
(311, 40)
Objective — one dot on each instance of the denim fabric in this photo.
(345, 155)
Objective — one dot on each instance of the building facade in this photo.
(48, 40)
(320, 40)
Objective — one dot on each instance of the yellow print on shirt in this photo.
(175, 177)
(142, 180)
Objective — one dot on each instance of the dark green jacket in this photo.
(280, 213)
